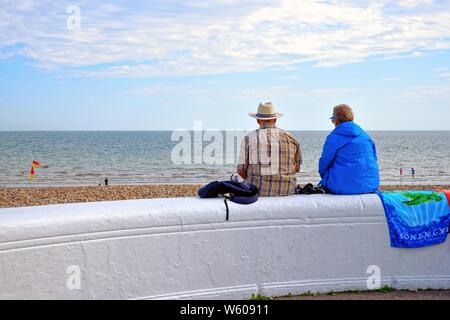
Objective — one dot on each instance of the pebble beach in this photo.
(24, 197)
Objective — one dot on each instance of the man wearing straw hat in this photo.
(270, 157)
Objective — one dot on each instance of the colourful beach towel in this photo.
(416, 218)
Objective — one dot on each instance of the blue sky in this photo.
(166, 64)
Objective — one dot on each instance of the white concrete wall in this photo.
(184, 248)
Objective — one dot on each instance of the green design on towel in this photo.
(419, 198)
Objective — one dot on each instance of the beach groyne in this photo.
(184, 248)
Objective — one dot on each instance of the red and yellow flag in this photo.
(34, 165)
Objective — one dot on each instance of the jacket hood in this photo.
(349, 129)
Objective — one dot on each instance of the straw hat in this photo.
(266, 111)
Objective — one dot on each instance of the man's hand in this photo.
(242, 173)
(297, 167)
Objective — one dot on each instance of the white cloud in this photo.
(158, 90)
(335, 91)
(427, 91)
(442, 72)
(413, 3)
(133, 39)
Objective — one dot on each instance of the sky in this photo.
(163, 64)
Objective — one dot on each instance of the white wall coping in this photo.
(184, 248)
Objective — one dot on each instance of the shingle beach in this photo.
(23, 197)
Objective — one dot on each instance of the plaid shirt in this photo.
(270, 155)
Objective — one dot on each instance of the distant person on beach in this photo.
(413, 172)
(270, 157)
(349, 159)
(401, 172)
(106, 181)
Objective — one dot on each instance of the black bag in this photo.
(311, 189)
(237, 192)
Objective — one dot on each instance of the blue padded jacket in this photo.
(349, 161)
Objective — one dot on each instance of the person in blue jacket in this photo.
(349, 159)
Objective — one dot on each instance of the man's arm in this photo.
(327, 158)
(243, 159)
(298, 159)
(374, 148)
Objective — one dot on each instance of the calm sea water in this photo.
(86, 158)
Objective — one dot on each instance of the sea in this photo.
(85, 158)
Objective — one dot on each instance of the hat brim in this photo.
(255, 115)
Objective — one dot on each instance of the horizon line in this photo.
(190, 129)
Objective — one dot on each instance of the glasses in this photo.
(332, 118)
